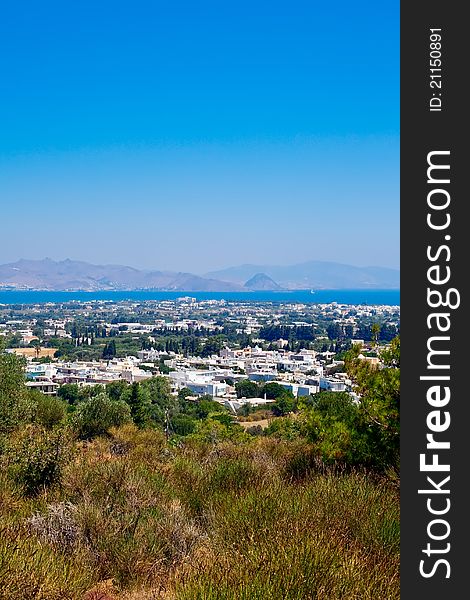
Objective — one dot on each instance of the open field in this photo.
(33, 353)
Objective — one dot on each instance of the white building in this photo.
(332, 384)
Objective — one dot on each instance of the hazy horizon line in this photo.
(200, 272)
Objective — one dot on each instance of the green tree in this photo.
(15, 404)
(285, 428)
(334, 331)
(184, 393)
(375, 332)
(70, 392)
(226, 419)
(379, 391)
(159, 389)
(273, 390)
(138, 399)
(116, 389)
(98, 414)
(161, 403)
(337, 427)
(182, 424)
(284, 404)
(109, 350)
(205, 406)
(211, 346)
(247, 389)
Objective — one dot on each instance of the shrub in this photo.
(37, 457)
(255, 430)
(331, 537)
(57, 526)
(302, 463)
(31, 570)
(285, 428)
(48, 410)
(250, 521)
(183, 424)
(145, 446)
(232, 474)
(96, 415)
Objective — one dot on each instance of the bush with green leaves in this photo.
(70, 393)
(337, 428)
(285, 428)
(284, 404)
(36, 457)
(98, 414)
(49, 411)
(183, 424)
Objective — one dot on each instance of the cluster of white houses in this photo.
(302, 373)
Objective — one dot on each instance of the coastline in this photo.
(390, 297)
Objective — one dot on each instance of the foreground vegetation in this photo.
(136, 518)
(129, 493)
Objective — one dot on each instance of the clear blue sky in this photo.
(198, 135)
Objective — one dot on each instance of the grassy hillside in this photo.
(136, 518)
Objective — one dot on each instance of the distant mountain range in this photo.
(70, 275)
(74, 275)
(315, 274)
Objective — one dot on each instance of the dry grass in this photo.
(134, 519)
(33, 353)
(263, 423)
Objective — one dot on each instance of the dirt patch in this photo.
(31, 352)
(263, 423)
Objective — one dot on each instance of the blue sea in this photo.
(367, 297)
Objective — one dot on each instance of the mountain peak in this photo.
(261, 281)
(313, 274)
